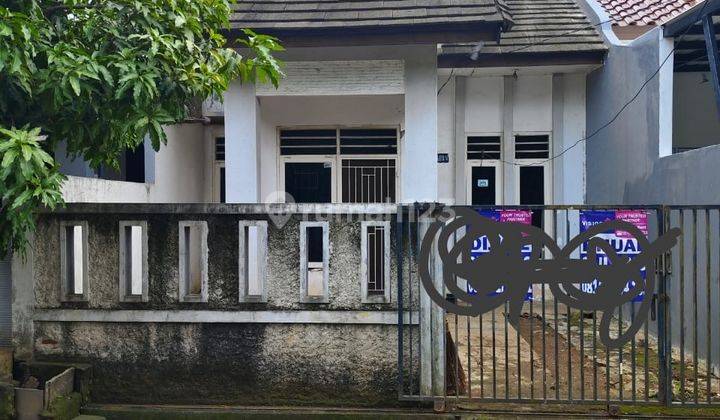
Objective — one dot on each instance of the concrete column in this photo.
(242, 177)
(418, 160)
(568, 127)
(508, 140)
(460, 143)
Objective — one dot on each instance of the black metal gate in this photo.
(553, 353)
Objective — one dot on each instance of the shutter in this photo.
(5, 304)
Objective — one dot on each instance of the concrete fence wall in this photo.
(223, 350)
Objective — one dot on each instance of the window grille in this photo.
(483, 147)
(368, 180)
(376, 260)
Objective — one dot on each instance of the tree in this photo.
(101, 75)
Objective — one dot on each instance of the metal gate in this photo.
(554, 352)
(5, 304)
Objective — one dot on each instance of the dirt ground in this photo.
(560, 357)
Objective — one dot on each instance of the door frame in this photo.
(547, 178)
(472, 163)
(308, 159)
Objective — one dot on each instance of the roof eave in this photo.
(529, 59)
(679, 24)
(385, 35)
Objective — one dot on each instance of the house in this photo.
(664, 144)
(476, 102)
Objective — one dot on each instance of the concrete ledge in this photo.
(224, 317)
(214, 208)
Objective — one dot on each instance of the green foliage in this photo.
(101, 75)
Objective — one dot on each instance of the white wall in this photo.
(294, 111)
(539, 103)
(695, 120)
(179, 175)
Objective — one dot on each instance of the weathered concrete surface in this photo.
(7, 401)
(283, 264)
(229, 363)
(218, 363)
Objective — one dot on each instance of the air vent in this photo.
(368, 141)
(220, 148)
(483, 147)
(532, 147)
(308, 142)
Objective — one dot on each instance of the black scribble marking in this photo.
(505, 266)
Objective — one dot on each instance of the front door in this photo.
(309, 182)
(484, 188)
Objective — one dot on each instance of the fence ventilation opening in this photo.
(375, 268)
(74, 260)
(252, 264)
(314, 261)
(193, 261)
(133, 262)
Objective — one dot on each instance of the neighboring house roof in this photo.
(542, 28)
(645, 12)
(293, 19)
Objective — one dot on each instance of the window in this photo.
(252, 260)
(367, 159)
(219, 171)
(74, 260)
(193, 261)
(532, 146)
(533, 185)
(314, 262)
(484, 170)
(133, 261)
(483, 147)
(375, 262)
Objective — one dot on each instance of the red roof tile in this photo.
(645, 12)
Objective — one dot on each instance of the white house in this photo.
(461, 103)
(469, 102)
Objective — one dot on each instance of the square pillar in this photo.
(418, 162)
(242, 180)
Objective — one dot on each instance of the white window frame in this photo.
(546, 163)
(498, 179)
(304, 298)
(123, 283)
(366, 157)
(260, 263)
(337, 158)
(497, 163)
(68, 295)
(217, 165)
(309, 159)
(183, 296)
(547, 178)
(386, 297)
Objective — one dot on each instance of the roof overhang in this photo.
(682, 23)
(386, 35)
(529, 59)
